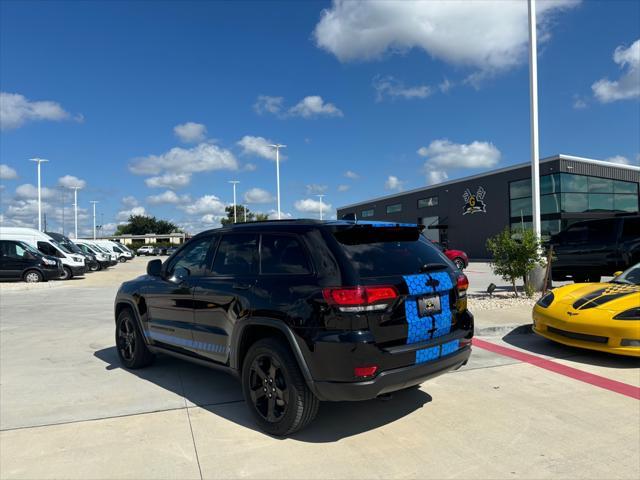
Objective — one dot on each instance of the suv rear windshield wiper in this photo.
(432, 266)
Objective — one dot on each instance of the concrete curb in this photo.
(501, 330)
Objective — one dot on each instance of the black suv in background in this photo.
(302, 311)
(590, 249)
(19, 261)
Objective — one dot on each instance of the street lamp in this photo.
(245, 213)
(94, 217)
(234, 182)
(278, 146)
(320, 197)
(533, 97)
(75, 209)
(39, 161)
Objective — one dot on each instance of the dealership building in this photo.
(463, 213)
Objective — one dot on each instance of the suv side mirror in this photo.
(179, 274)
(154, 268)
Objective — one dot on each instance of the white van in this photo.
(112, 257)
(123, 254)
(72, 263)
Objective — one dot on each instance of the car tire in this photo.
(130, 345)
(67, 274)
(122, 259)
(32, 276)
(94, 267)
(270, 371)
(459, 263)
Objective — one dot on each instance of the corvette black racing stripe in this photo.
(588, 297)
(596, 301)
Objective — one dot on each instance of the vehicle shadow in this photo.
(535, 344)
(221, 394)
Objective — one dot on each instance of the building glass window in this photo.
(600, 185)
(367, 213)
(395, 208)
(573, 183)
(625, 187)
(549, 227)
(575, 202)
(428, 202)
(520, 188)
(550, 203)
(550, 183)
(599, 201)
(625, 203)
(521, 207)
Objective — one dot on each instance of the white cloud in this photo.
(314, 106)
(190, 132)
(436, 176)
(628, 85)
(69, 181)
(268, 104)
(130, 201)
(618, 159)
(7, 173)
(249, 167)
(393, 88)
(16, 110)
(444, 153)
(169, 180)
(258, 195)
(201, 158)
(28, 191)
(343, 188)
(207, 204)
(352, 175)
(309, 205)
(445, 85)
(258, 146)
(273, 215)
(168, 196)
(123, 215)
(314, 189)
(394, 183)
(488, 35)
(579, 103)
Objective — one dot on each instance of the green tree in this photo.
(142, 224)
(251, 217)
(514, 258)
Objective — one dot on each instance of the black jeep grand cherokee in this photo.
(302, 311)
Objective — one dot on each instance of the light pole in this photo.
(75, 209)
(234, 182)
(320, 197)
(278, 146)
(94, 217)
(39, 161)
(64, 199)
(533, 97)
(245, 213)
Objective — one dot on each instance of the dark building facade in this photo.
(464, 213)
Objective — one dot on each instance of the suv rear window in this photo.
(281, 254)
(382, 251)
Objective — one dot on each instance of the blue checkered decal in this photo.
(434, 326)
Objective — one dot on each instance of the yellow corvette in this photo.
(597, 316)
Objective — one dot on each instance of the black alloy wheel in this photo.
(132, 350)
(459, 263)
(268, 388)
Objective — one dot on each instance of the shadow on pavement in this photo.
(216, 392)
(541, 346)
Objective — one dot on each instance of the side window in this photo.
(631, 229)
(48, 249)
(602, 232)
(577, 234)
(12, 250)
(282, 254)
(237, 255)
(193, 257)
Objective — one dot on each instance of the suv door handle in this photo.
(242, 286)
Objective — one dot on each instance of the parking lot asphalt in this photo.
(68, 410)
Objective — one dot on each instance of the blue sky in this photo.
(154, 106)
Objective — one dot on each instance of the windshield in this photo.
(377, 252)
(71, 246)
(101, 248)
(61, 246)
(630, 276)
(30, 249)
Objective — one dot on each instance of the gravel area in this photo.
(499, 301)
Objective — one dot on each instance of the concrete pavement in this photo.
(67, 410)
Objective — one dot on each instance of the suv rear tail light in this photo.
(462, 284)
(360, 299)
(368, 371)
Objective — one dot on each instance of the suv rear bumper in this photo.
(391, 380)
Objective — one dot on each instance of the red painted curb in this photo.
(586, 377)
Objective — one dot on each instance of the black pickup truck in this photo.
(587, 250)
